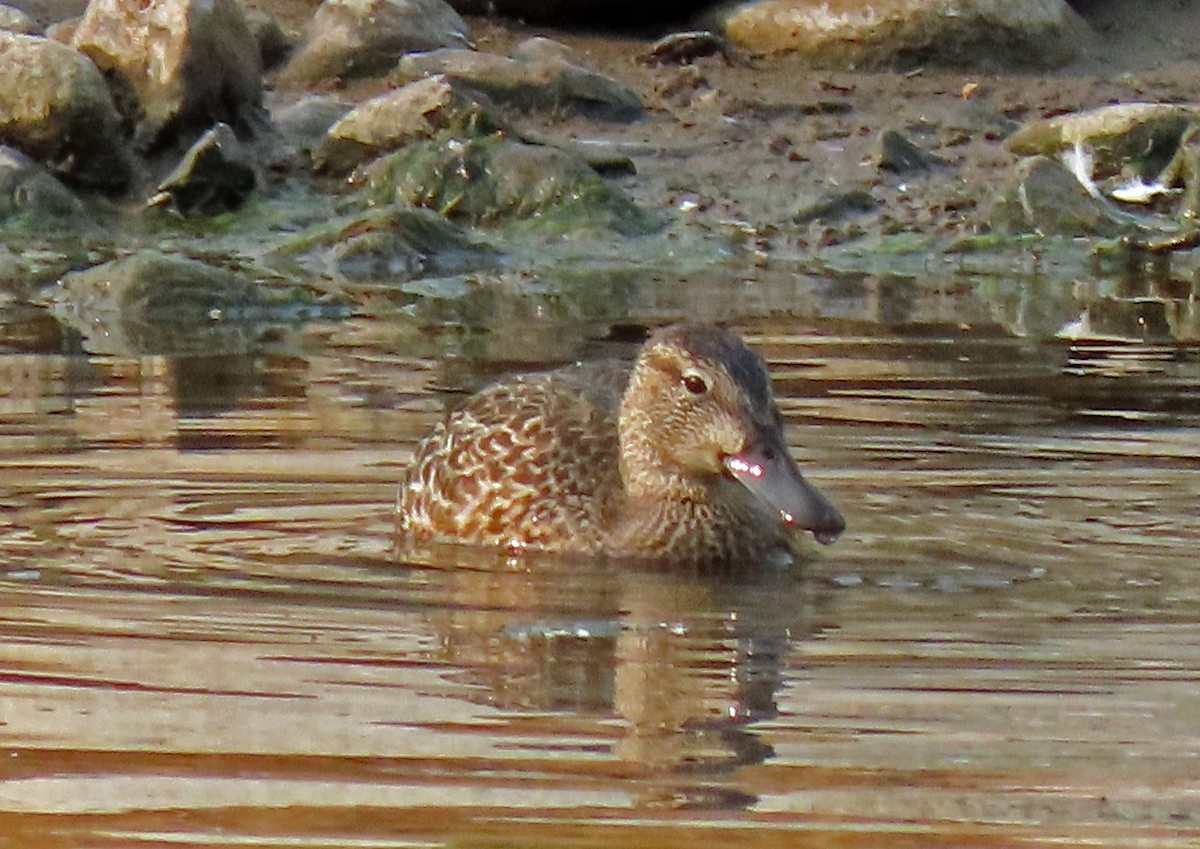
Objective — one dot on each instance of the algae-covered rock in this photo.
(1143, 156)
(389, 244)
(151, 302)
(418, 110)
(494, 179)
(1140, 137)
(55, 107)
(541, 75)
(182, 64)
(355, 38)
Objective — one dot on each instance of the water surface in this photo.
(207, 639)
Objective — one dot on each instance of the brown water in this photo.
(206, 639)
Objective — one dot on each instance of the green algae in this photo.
(494, 180)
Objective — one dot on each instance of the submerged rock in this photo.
(215, 176)
(540, 75)
(183, 65)
(494, 179)
(393, 244)
(151, 302)
(418, 110)
(55, 107)
(354, 38)
(883, 33)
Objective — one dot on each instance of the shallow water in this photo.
(207, 640)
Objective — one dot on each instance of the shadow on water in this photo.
(206, 637)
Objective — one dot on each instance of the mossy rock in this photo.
(494, 180)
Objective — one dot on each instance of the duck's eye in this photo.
(695, 384)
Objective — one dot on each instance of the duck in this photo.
(677, 458)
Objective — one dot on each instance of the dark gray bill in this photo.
(768, 471)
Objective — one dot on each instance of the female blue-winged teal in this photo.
(679, 458)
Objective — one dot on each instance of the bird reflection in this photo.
(687, 663)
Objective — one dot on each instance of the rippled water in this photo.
(206, 638)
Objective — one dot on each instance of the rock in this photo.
(901, 156)
(353, 38)
(684, 48)
(63, 31)
(1135, 153)
(885, 33)
(13, 19)
(151, 302)
(273, 43)
(540, 75)
(55, 106)
(1141, 136)
(26, 189)
(182, 65)
(418, 110)
(393, 244)
(215, 176)
(1044, 197)
(611, 13)
(51, 11)
(494, 179)
(836, 206)
(300, 128)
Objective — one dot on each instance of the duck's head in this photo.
(699, 405)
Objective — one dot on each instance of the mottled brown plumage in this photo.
(679, 457)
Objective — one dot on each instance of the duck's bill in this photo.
(769, 472)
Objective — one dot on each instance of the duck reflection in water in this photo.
(677, 459)
(672, 672)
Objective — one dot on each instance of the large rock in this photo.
(1141, 137)
(55, 107)
(13, 19)
(635, 14)
(540, 75)
(497, 180)
(182, 65)
(416, 111)
(353, 38)
(883, 33)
